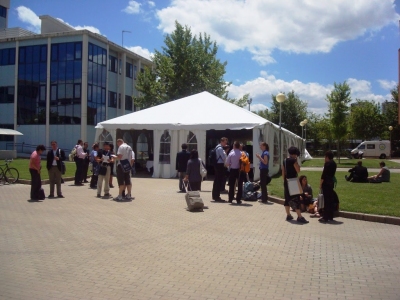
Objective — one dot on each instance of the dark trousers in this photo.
(36, 183)
(85, 169)
(93, 181)
(242, 179)
(195, 186)
(233, 176)
(79, 170)
(329, 199)
(263, 184)
(219, 175)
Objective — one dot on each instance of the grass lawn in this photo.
(22, 165)
(378, 199)
(349, 163)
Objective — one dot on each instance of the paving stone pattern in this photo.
(82, 247)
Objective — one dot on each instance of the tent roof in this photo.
(199, 111)
(9, 132)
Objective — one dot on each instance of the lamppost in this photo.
(123, 31)
(305, 130)
(249, 102)
(302, 133)
(390, 130)
(280, 98)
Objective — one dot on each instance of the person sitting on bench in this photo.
(382, 176)
(358, 173)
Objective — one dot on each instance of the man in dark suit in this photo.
(358, 173)
(181, 164)
(55, 156)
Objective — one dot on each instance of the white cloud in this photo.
(26, 15)
(141, 51)
(133, 7)
(257, 107)
(151, 3)
(386, 84)
(90, 28)
(260, 26)
(313, 93)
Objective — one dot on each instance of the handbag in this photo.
(321, 202)
(103, 170)
(203, 170)
(294, 186)
(126, 165)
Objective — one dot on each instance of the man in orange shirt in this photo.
(34, 169)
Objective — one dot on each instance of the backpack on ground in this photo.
(213, 156)
(244, 163)
(72, 155)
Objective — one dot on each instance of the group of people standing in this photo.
(55, 167)
(102, 165)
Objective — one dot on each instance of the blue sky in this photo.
(270, 46)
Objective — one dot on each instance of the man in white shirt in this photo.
(79, 160)
(124, 155)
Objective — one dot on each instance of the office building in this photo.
(57, 85)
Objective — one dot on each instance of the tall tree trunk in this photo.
(338, 150)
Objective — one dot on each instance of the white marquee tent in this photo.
(196, 115)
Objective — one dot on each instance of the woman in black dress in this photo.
(290, 169)
(326, 185)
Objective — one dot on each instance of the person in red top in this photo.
(34, 169)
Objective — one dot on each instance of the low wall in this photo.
(7, 154)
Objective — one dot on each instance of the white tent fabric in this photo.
(9, 132)
(199, 113)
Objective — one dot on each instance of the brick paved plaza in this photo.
(82, 247)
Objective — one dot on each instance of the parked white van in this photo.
(379, 149)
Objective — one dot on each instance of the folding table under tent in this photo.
(195, 115)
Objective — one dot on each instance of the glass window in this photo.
(42, 93)
(4, 57)
(113, 64)
(370, 146)
(53, 93)
(62, 51)
(104, 57)
(3, 13)
(70, 51)
(191, 141)
(43, 53)
(77, 91)
(36, 54)
(54, 52)
(78, 51)
(22, 55)
(89, 93)
(43, 72)
(29, 55)
(129, 70)
(142, 147)
(90, 52)
(361, 147)
(69, 75)
(134, 72)
(6, 94)
(165, 147)
(128, 103)
(112, 99)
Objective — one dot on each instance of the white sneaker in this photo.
(118, 198)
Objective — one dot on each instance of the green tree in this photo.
(241, 102)
(186, 65)
(366, 121)
(338, 110)
(294, 110)
(263, 113)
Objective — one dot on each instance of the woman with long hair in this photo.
(193, 175)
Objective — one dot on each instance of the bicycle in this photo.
(10, 175)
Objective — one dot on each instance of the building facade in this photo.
(57, 85)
